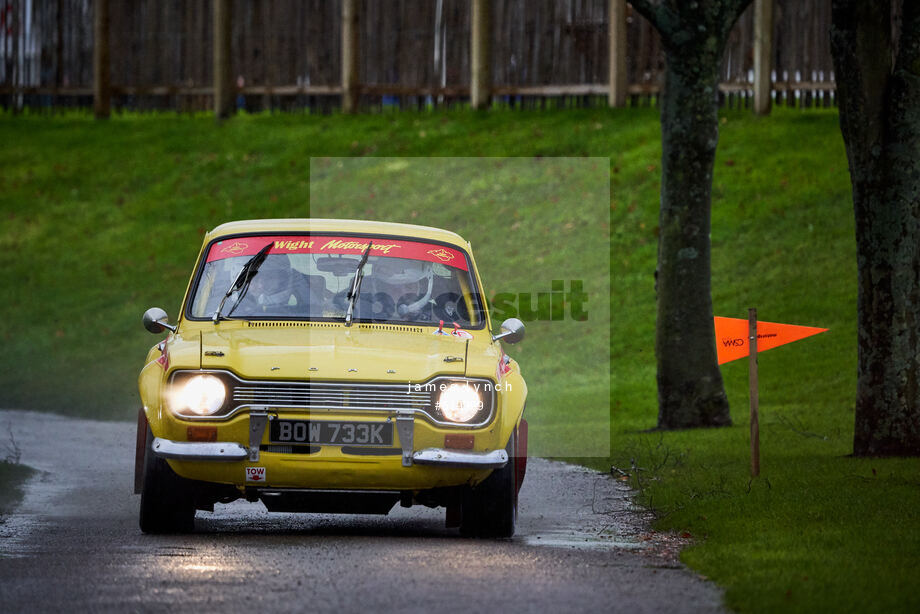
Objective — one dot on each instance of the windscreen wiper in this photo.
(242, 280)
(356, 285)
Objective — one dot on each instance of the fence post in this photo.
(59, 51)
(223, 75)
(13, 75)
(350, 57)
(616, 26)
(480, 52)
(102, 69)
(763, 55)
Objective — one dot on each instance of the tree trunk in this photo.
(693, 34)
(690, 389)
(880, 122)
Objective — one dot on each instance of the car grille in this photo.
(315, 395)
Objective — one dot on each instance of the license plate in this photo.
(331, 433)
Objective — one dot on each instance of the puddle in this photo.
(581, 541)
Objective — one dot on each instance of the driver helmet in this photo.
(272, 284)
(401, 278)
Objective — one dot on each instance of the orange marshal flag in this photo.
(732, 336)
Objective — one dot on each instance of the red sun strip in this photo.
(325, 244)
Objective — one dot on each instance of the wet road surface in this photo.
(74, 545)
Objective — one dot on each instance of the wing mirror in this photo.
(512, 331)
(156, 320)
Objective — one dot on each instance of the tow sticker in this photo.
(255, 474)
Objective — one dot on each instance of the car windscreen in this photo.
(309, 277)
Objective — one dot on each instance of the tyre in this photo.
(490, 509)
(167, 500)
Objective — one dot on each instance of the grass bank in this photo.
(103, 220)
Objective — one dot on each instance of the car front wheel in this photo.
(490, 509)
(167, 500)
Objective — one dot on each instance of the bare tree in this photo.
(693, 34)
(876, 51)
(13, 452)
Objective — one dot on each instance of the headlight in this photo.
(459, 402)
(203, 395)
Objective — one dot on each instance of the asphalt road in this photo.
(74, 545)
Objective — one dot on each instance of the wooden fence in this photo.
(287, 53)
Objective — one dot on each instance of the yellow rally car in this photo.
(332, 366)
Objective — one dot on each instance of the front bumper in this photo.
(456, 458)
(231, 451)
(258, 422)
(198, 451)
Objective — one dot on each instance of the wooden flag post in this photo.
(730, 346)
(752, 377)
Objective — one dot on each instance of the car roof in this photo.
(295, 225)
